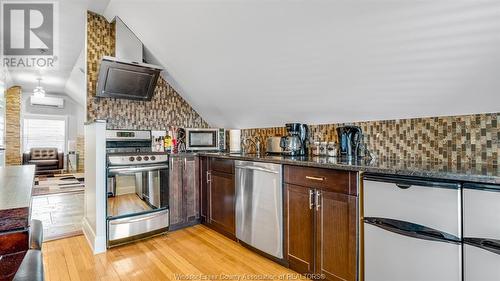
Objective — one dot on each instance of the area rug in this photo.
(58, 183)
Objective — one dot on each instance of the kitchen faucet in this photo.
(250, 142)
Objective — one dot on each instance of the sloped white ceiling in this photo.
(263, 63)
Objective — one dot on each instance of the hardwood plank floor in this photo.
(195, 253)
(126, 204)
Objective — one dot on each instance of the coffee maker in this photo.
(350, 138)
(295, 144)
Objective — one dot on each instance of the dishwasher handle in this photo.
(256, 168)
(407, 182)
(491, 245)
(412, 230)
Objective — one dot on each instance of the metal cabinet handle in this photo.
(255, 168)
(318, 204)
(311, 202)
(315, 178)
(209, 177)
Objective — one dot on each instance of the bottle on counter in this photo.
(156, 145)
(323, 148)
(167, 143)
(316, 148)
(331, 149)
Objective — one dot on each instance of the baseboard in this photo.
(98, 244)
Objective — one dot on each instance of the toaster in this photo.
(273, 145)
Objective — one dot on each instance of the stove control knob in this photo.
(138, 158)
(131, 159)
(146, 158)
(153, 158)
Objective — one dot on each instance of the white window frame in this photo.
(47, 117)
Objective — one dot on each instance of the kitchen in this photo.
(329, 201)
(359, 142)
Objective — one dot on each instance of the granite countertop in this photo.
(464, 172)
(16, 183)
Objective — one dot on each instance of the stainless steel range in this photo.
(137, 187)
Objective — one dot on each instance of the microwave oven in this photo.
(205, 139)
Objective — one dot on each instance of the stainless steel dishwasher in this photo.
(259, 206)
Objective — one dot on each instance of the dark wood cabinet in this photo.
(175, 192)
(184, 205)
(217, 195)
(336, 235)
(300, 230)
(222, 213)
(321, 222)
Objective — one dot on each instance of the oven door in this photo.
(202, 139)
(137, 189)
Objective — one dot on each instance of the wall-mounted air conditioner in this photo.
(47, 101)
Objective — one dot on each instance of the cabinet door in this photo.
(191, 191)
(222, 201)
(176, 197)
(204, 188)
(299, 228)
(336, 235)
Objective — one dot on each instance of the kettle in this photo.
(350, 138)
(291, 145)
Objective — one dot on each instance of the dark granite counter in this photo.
(489, 174)
(16, 183)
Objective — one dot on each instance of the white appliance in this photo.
(205, 139)
(412, 229)
(47, 101)
(481, 225)
(259, 206)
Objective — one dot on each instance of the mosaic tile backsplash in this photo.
(452, 139)
(166, 108)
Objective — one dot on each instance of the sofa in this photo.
(46, 159)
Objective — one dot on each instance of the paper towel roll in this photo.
(234, 141)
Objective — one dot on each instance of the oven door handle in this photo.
(136, 219)
(136, 169)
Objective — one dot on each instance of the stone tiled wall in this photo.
(13, 154)
(80, 148)
(453, 139)
(166, 108)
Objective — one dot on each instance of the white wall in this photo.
(94, 218)
(262, 63)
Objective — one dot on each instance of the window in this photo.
(44, 131)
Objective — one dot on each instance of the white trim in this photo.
(95, 185)
(89, 234)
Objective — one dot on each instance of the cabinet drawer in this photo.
(222, 165)
(427, 203)
(332, 180)
(481, 209)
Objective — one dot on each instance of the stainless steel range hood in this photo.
(126, 76)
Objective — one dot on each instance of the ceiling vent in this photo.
(47, 101)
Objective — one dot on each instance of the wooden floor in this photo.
(61, 214)
(195, 253)
(126, 204)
